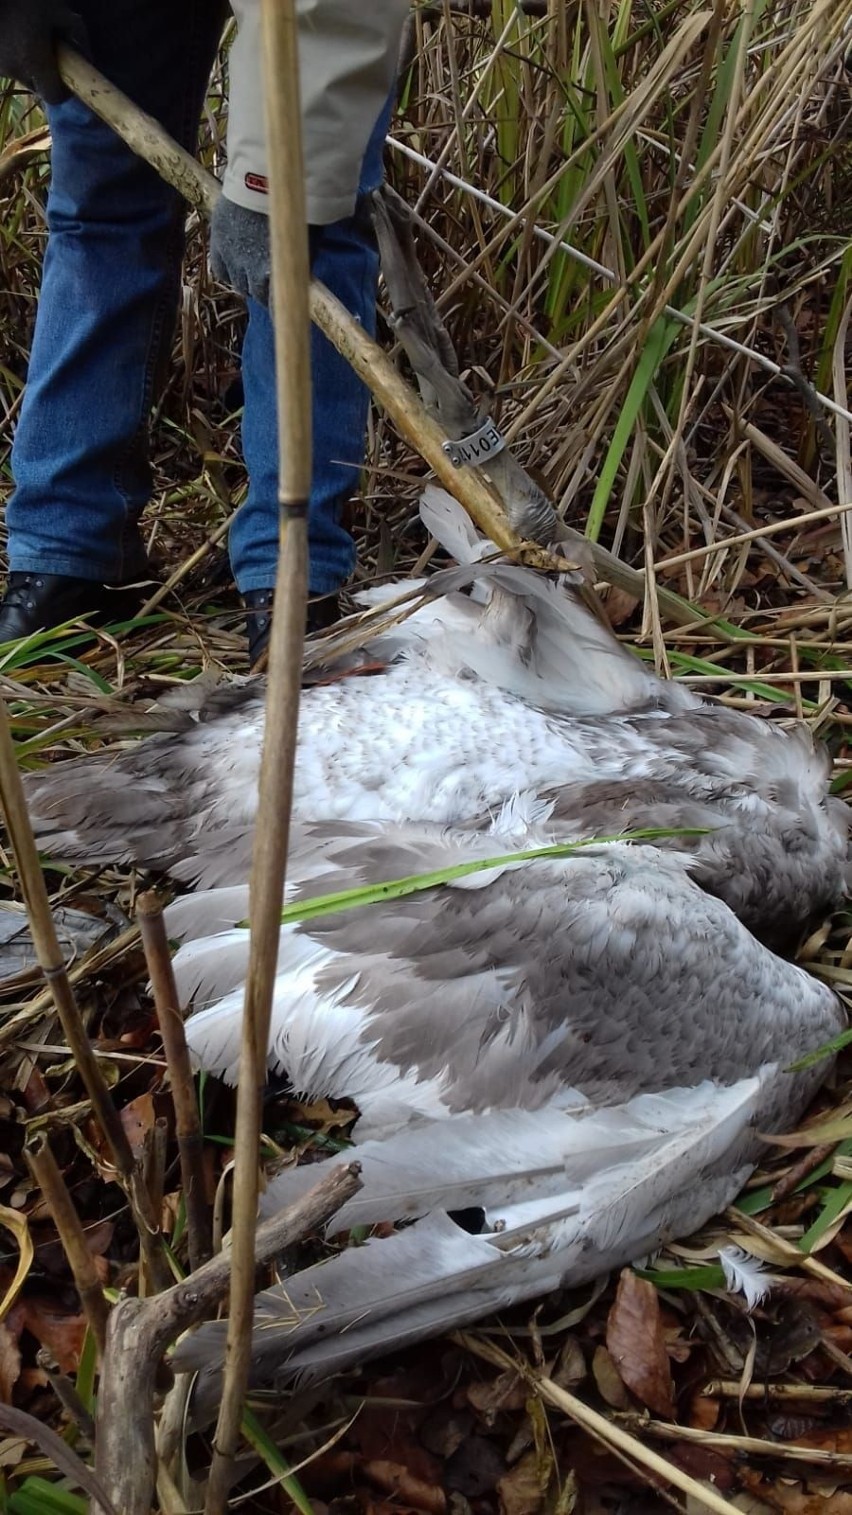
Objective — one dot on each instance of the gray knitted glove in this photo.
(29, 30)
(239, 248)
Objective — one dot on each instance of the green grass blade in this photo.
(37, 1496)
(827, 1050)
(417, 883)
(760, 1199)
(710, 1277)
(256, 1436)
(660, 339)
(834, 1206)
(87, 1373)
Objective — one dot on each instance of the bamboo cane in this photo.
(290, 271)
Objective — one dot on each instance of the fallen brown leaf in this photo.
(840, 1336)
(817, 1292)
(10, 1363)
(319, 1115)
(397, 1480)
(521, 1491)
(836, 1439)
(505, 1392)
(329, 1473)
(59, 1330)
(475, 1468)
(570, 1369)
(619, 605)
(706, 1463)
(792, 1499)
(385, 1433)
(140, 1033)
(610, 1384)
(137, 1119)
(636, 1343)
(704, 1412)
(444, 1431)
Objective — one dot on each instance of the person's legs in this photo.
(344, 257)
(108, 299)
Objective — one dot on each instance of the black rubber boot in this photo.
(322, 613)
(36, 601)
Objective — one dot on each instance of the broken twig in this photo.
(140, 1331)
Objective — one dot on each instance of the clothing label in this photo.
(482, 445)
(258, 182)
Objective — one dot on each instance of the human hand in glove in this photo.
(239, 248)
(29, 31)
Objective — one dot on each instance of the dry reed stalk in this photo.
(688, 250)
(521, 221)
(744, 1446)
(45, 1170)
(717, 206)
(149, 914)
(789, 1393)
(290, 282)
(844, 435)
(640, 1457)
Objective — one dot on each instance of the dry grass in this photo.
(638, 222)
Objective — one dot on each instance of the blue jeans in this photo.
(105, 320)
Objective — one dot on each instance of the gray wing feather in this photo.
(433, 1276)
(619, 973)
(608, 971)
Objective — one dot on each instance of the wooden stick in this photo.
(147, 138)
(290, 269)
(149, 914)
(139, 1332)
(52, 963)
(45, 1170)
(140, 131)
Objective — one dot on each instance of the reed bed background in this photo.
(636, 221)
